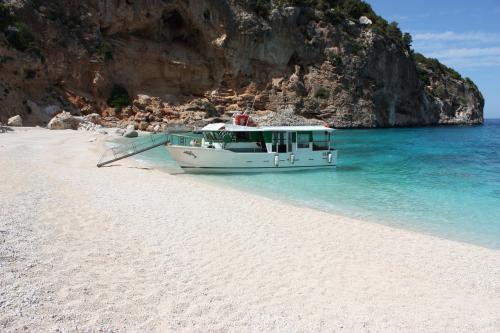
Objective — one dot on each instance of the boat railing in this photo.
(138, 146)
(185, 140)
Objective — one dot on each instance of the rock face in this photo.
(191, 64)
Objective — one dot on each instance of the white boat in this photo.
(228, 148)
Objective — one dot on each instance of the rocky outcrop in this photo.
(15, 121)
(456, 100)
(192, 64)
(64, 120)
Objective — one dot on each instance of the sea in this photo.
(442, 181)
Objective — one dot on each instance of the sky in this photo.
(464, 35)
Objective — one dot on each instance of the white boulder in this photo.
(92, 118)
(64, 120)
(365, 20)
(15, 121)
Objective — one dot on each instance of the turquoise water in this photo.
(442, 181)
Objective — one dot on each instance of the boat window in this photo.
(303, 139)
(242, 136)
(280, 142)
(246, 136)
(321, 140)
(268, 137)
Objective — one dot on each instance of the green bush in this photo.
(4, 59)
(454, 74)
(356, 48)
(439, 91)
(436, 66)
(335, 16)
(380, 25)
(209, 108)
(335, 59)
(471, 83)
(349, 8)
(260, 7)
(105, 50)
(20, 37)
(119, 97)
(393, 31)
(6, 17)
(407, 40)
(321, 93)
(356, 8)
(424, 77)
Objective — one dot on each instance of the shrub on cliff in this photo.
(19, 36)
(208, 107)
(337, 11)
(260, 7)
(6, 17)
(17, 33)
(119, 97)
(436, 66)
(407, 40)
(439, 91)
(356, 8)
(471, 83)
(105, 50)
(321, 93)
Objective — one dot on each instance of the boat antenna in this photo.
(253, 103)
(248, 108)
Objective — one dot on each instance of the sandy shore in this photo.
(125, 249)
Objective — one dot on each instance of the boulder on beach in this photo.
(120, 131)
(64, 120)
(131, 134)
(92, 118)
(15, 121)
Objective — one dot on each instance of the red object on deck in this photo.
(241, 119)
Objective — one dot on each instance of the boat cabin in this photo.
(266, 139)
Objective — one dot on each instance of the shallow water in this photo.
(443, 181)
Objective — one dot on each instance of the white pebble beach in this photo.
(132, 249)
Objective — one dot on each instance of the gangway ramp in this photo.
(130, 149)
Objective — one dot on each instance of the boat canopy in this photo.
(237, 128)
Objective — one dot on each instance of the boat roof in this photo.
(238, 128)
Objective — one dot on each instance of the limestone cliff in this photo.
(335, 61)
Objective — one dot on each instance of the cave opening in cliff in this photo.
(177, 29)
(293, 62)
(174, 26)
(173, 21)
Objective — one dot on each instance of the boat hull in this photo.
(206, 160)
